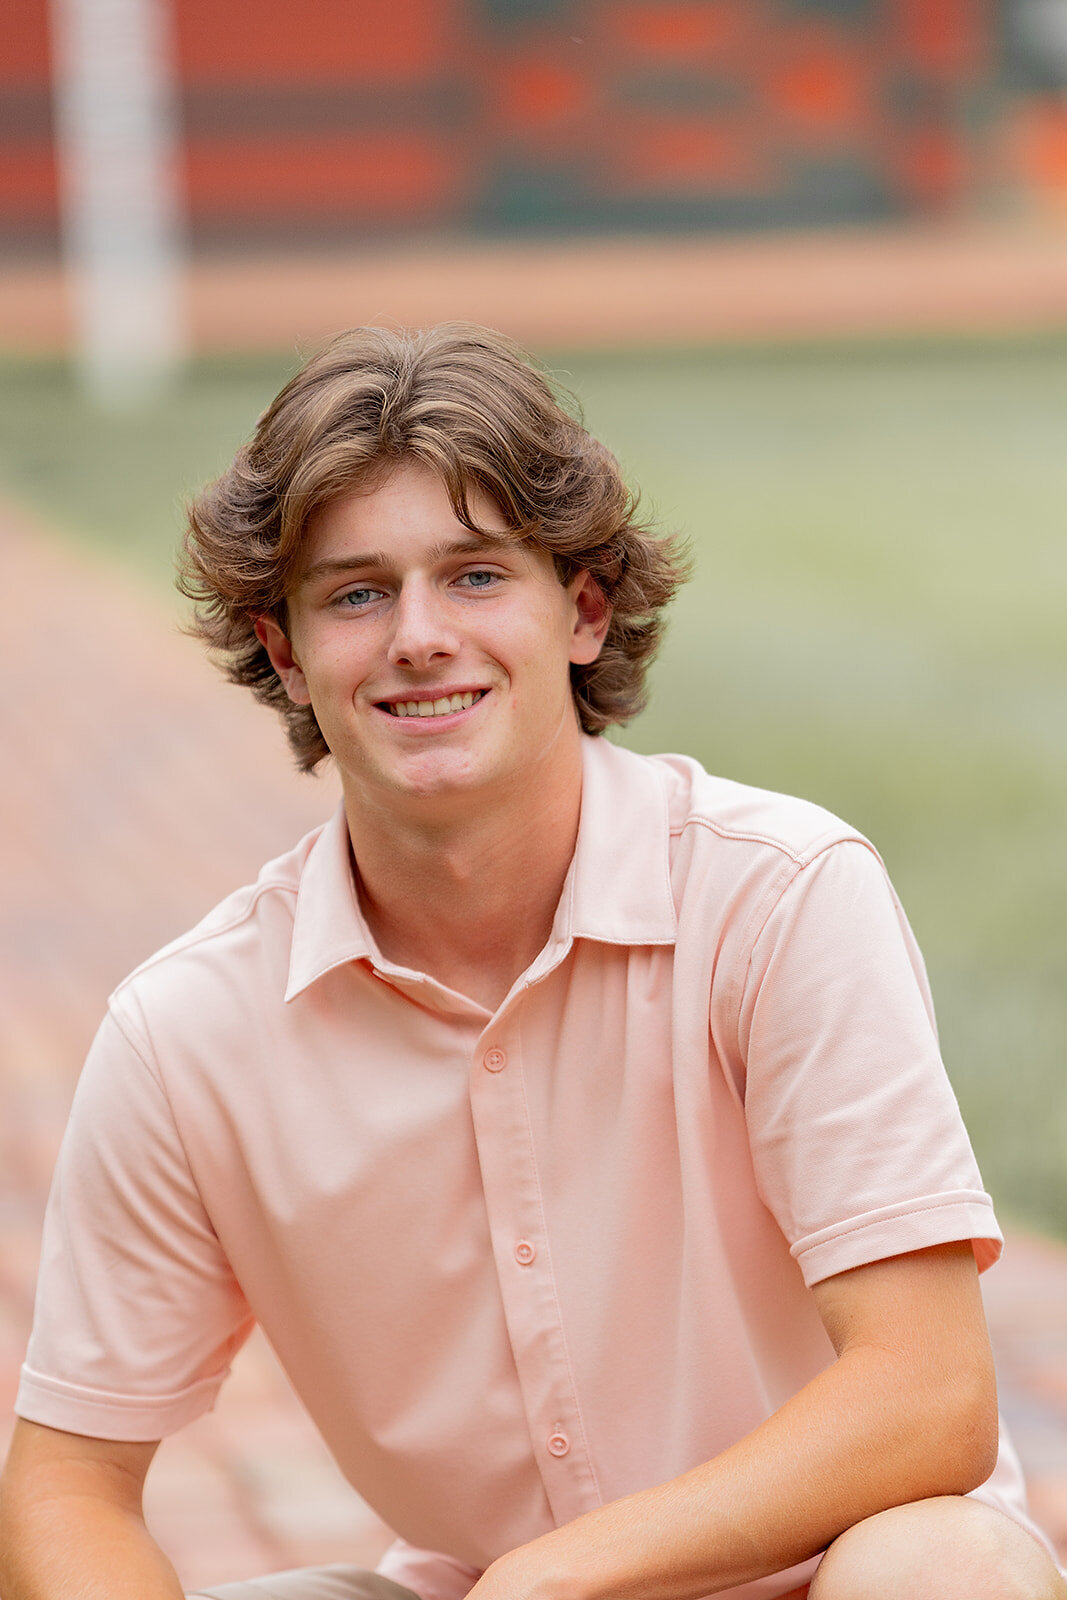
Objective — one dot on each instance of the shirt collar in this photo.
(621, 873)
(329, 928)
(618, 889)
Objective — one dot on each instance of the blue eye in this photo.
(480, 580)
(357, 597)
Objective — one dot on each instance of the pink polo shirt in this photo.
(515, 1264)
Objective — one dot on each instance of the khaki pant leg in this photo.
(310, 1583)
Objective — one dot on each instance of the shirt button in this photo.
(524, 1252)
(559, 1444)
(493, 1060)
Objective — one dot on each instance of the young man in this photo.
(572, 1121)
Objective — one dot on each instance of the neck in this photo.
(469, 894)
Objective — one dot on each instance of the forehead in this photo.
(409, 499)
(405, 518)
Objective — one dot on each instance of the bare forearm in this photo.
(79, 1547)
(838, 1452)
(908, 1411)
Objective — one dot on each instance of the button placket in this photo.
(532, 1313)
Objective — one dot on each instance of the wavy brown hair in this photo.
(470, 404)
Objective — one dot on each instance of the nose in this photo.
(423, 634)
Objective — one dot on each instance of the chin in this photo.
(435, 775)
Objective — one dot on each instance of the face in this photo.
(437, 661)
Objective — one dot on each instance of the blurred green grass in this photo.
(877, 622)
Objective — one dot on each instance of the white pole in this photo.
(116, 133)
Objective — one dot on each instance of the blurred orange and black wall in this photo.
(321, 121)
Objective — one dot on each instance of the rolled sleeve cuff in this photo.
(100, 1414)
(894, 1230)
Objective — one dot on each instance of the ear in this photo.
(592, 614)
(276, 643)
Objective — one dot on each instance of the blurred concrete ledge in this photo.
(977, 278)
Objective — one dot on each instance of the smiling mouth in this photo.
(444, 706)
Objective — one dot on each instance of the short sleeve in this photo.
(137, 1314)
(859, 1148)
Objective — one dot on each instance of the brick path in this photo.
(139, 789)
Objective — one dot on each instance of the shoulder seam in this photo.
(762, 913)
(190, 940)
(842, 835)
(147, 1057)
(140, 1047)
(802, 864)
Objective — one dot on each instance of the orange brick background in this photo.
(341, 120)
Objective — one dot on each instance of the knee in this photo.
(946, 1549)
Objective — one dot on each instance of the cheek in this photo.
(335, 662)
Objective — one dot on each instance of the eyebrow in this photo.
(332, 566)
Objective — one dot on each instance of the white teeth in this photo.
(436, 708)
